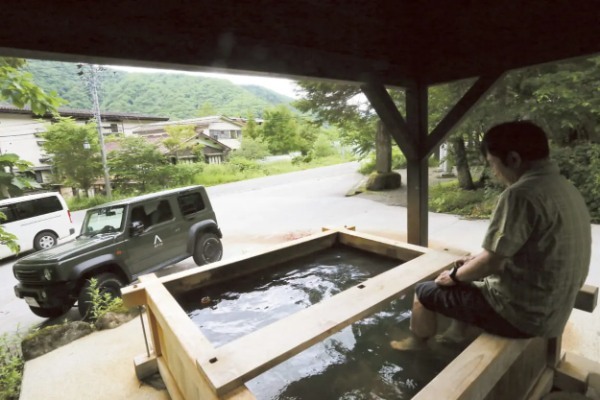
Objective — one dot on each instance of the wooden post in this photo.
(417, 174)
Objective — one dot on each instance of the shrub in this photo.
(252, 149)
(182, 174)
(449, 198)
(244, 164)
(102, 303)
(11, 367)
(323, 147)
(581, 165)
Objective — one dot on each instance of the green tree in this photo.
(178, 141)
(323, 147)
(13, 176)
(282, 133)
(18, 87)
(207, 109)
(251, 129)
(73, 164)
(136, 164)
(252, 149)
(565, 98)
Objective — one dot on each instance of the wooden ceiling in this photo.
(388, 42)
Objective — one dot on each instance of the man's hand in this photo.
(444, 279)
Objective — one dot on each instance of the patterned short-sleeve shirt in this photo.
(542, 227)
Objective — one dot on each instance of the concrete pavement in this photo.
(100, 366)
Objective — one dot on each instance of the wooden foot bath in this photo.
(300, 324)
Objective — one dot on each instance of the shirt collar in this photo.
(543, 167)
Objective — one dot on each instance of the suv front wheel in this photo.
(208, 249)
(106, 283)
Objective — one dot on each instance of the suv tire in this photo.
(44, 240)
(208, 249)
(50, 312)
(107, 283)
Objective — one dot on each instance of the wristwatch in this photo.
(453, 274)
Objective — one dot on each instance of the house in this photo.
(219, 135)
(20, 131)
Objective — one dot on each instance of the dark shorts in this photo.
(465, 303)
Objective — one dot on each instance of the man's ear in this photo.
(513, 159)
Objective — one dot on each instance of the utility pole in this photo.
(91, 80)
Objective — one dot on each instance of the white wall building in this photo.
(218, 134)
(20, 132)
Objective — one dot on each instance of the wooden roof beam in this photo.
(467, 102)
(391, 118)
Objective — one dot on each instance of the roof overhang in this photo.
(394, 43)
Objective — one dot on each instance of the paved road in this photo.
(259, 213)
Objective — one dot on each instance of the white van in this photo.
(38, 221)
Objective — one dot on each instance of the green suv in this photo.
(118, 242)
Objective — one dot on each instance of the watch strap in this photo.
(453, 272)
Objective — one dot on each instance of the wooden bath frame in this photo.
(193, 368)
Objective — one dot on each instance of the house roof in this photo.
(198, 122)
(81, 113)
(390, 42)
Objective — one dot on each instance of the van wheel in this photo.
(51, 312)
(44, 240)
(106, 283)
(208, 249)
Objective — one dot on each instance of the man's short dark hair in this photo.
(523, 137)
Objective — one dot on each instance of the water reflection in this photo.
(355, 363)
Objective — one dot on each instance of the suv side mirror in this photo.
(137, 227)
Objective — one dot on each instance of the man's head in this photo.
(511, 147)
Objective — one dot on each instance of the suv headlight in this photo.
(47, 274)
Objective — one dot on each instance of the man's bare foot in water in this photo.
(409, 343)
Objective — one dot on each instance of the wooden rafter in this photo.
(391, 117)
(469, 100)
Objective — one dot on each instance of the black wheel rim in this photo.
(212, 250)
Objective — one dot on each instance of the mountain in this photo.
(177, 96)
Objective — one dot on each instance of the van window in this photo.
(190, 203)
(9, 213)
(33, 208)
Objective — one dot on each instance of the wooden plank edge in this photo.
(542, 386)
(170, 382)
(572, 372)
(476, 370)
(135, 294)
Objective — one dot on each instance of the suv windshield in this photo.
(103, 220)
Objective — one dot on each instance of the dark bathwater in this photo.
(355, 363)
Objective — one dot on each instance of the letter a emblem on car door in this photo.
(157, 241)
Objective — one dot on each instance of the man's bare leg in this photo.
(423, 325)
(455, 333)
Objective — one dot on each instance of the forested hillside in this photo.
(176, 96)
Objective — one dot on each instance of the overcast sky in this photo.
(279, 85)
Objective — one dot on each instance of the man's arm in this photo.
(480, 266)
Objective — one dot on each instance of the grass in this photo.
(216, 174)
(449, 198)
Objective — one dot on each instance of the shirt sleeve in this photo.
(510, 226)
